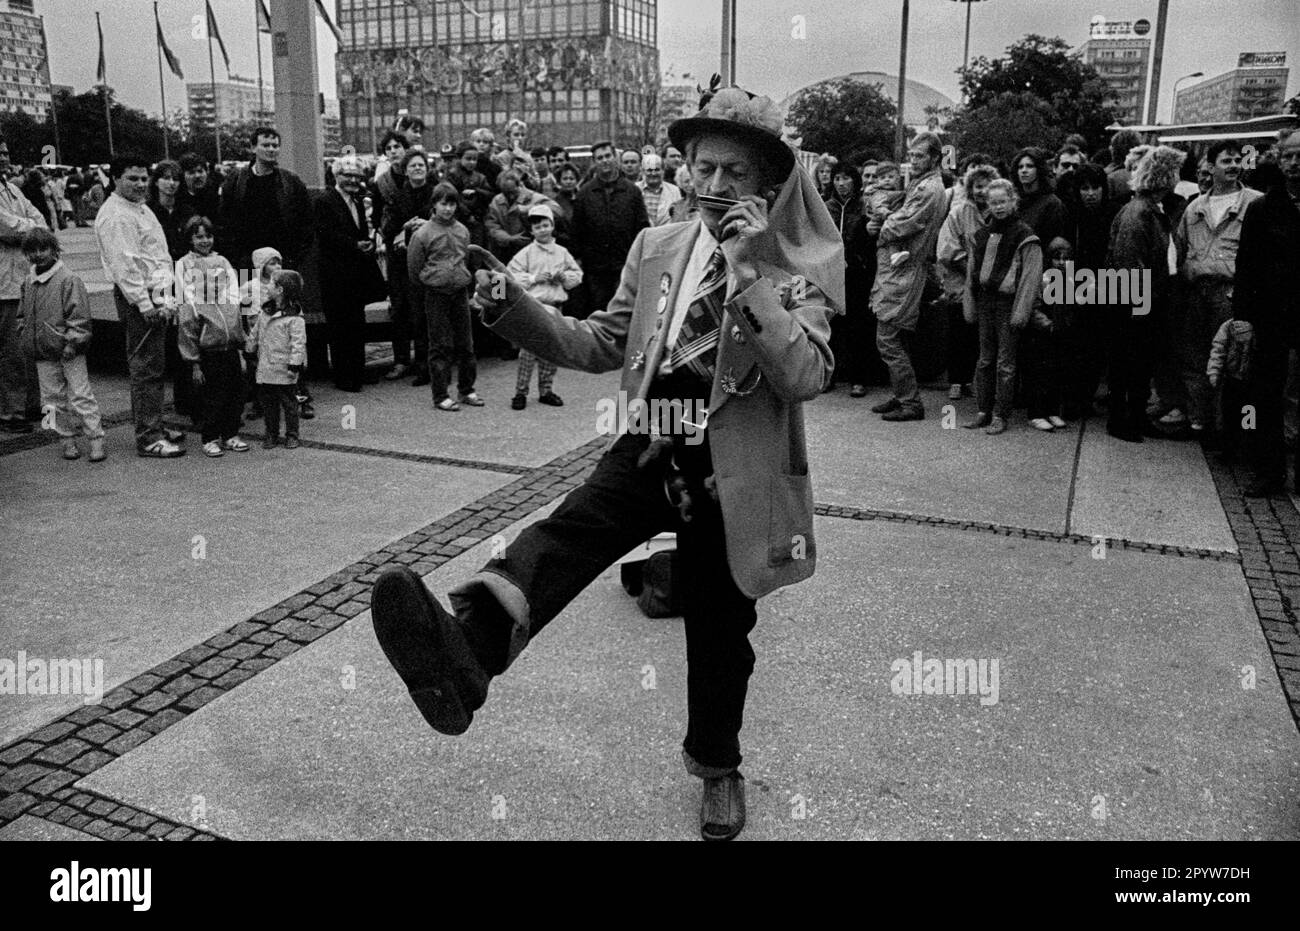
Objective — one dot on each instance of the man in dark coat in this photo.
(198, 194)
(349, 274)
(608, 213)
(1266, 294)
(263, 204)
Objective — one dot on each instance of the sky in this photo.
(776, 52)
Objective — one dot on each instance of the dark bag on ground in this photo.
(650, 582)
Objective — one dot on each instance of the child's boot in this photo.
(97, 449)
(70, 450)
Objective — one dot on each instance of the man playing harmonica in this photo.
(730, 311)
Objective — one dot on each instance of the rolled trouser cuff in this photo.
(466, 600)
(701, 771)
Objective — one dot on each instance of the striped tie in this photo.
(697, 343)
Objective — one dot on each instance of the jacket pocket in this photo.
(790, 527)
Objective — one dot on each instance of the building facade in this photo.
(1122, 60)
(1240, 94)
(575, 70)
(24, 62)
(236, 100)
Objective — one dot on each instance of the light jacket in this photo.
(953, 245)
(774, 344)
(435, 256)
(133, 250)
(912, 228)
(280, 340)
(209, 315)
(1205, 251)
(1230, 352)
(54, 312)
(536, 259)
(17, 217)
(506, 220)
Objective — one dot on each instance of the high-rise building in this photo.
(575, 70)
(1256, 87)
(1122, 55)
(330, 127)
(24, 62)
(237, 100)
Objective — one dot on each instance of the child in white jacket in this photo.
(548, 272)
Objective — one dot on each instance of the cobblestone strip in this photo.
(36, 767)
(482, 465)
(17, 443)
(1268, 535)
(103, 817)
(1006, 530)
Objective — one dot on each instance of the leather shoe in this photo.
(722, 810)
(884, 407)
(903, 413)
(425, 645)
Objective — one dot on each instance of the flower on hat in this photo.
(735, 105)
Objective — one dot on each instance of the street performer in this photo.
(734, 307)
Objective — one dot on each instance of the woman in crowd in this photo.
(848, 342)
(1040, 208)
(823, 175)
(403, 215)
(164, 185)
(968, 216)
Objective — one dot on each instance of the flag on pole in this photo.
(320, 8)
(101, 73)
(172, 61)
(215, 33)
(263, 16)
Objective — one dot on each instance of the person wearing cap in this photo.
(547, 270)
(724, 319)
(658, 194)
(349, 273)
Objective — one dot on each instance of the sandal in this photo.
(447, 404)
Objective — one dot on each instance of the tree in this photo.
(83, 136)
(1004, 125)
(1292, 105)
(850, 119)
(1077, 99)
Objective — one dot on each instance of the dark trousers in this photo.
(1265, 446)
(1129, 356)
(451, 341)
(20, 394)
(995, 373)
(399, 308)
(853, 332)
(618, 507)
(184, 398)
(1082, 345)
(221, 398)
(277, 398)
(602, 285)
(146, 360)
(419, 324)
(1040, 360)
(346, 328)
(963, 346)
(318, 350)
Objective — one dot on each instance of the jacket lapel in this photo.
(671, 258)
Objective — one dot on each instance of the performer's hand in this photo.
(196, 377)
(739, 229)
(496, 288)
(657, 459)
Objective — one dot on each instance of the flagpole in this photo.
(212, 73)
(257, 37)
(108, 114)
(54, 109)
(162, 89)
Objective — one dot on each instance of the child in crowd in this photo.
(882, 199)
(210, 336)
(266, 262)
(1040, 354)
(435, 261)
(280, 342)
(1003, 279)
(548, 272)
(54, 314)
(1227, 370)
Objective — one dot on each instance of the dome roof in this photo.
(918, 97)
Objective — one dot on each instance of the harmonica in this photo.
(715, 203)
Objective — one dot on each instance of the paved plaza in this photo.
(1139, 611)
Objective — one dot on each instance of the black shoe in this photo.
(426, 647)
(173, 436)
(518, 402)
(1121, 432)
(722, 810)
(884, 407)
(552, 399)
(900, 413)
(420, 380)
(306, 411)
(350, 387)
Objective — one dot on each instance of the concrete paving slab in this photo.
(397, 416)
(1160, 491)
(1021, 478)
(28, 828)
(1120, 714)
(99, 560)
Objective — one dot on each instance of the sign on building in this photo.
(1261, 60)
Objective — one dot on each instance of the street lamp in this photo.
(1173, 103)
(965, 58)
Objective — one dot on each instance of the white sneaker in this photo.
(954, 392)
(235, 444)
(1174, 418)
(1056, 421)
(212, 448)
(1040, 423)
